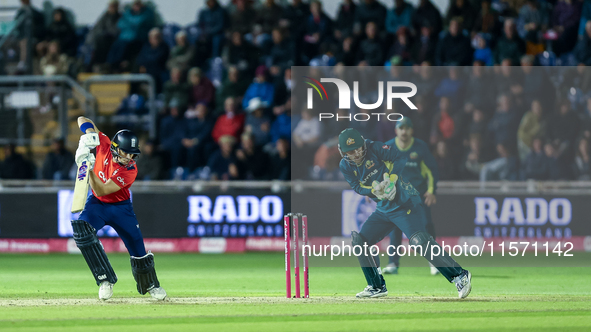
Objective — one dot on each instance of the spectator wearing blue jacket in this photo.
(454, 48)
(369, 11)
(343, 26)
(533, 18)
(172, 131)
(260, 88)
(152, 58)
(134, 24)
(583, 49)
(504, 124)
(585, 16)
(197, 140)
(281, 127)
(222, 162)
(257, 123)
(58, 162)
(318, 31)
(451, 87)
(542, 164)
(427, 14)
(536, 162)
(211, 22)
(283, 53)
(399, 16)
(483, 52)
(509, 46)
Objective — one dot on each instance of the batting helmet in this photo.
(126, 141)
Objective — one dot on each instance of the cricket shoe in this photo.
(158, 293)
(434, 270)
(370, 291)
(106, 290)
(390, 269)
(463, 283)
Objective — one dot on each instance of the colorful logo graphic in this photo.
(369, 164)
(350, 141)
(315, 86)
(344, 93)
(82, 171)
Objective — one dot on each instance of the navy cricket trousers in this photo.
(396, 235)
(410, 219)
(121, 217)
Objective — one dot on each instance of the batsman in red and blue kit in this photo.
(114, 172)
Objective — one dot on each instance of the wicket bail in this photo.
(293, 218)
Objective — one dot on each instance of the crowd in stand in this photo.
(225, 82)
(482, 123)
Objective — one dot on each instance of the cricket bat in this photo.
(81, 188)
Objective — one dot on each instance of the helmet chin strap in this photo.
(118, 160)
(117, 157)
(120, 157)
(352, 162)
(129, 164)
(346, 157)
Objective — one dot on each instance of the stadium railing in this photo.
(444, 187)
(23, 93)
(38, 109)
(110, 90)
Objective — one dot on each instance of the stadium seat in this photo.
(75, 104)
(84, 76)
(109, 96)
(75, 112)
(73, 127)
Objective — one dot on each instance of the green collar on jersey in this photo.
(397, 141)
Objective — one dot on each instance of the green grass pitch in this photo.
(246, 292)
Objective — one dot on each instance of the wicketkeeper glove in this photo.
(90, 140)
(389, 184)
(377, 189)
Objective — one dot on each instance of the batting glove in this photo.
(82, 154)
(91, 161)
(90, 140)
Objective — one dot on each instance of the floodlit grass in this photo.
(246, 292)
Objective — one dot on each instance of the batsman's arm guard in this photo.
(448, 267)
(369, 266)
(93, 252)
(144, 273)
